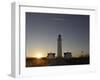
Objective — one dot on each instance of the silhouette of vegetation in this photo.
(44, 61)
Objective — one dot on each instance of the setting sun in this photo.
(39, 55)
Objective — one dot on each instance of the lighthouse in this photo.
(59, 46)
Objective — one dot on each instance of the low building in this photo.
(51, 56)
(67, 55)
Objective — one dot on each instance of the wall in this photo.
(5, 40)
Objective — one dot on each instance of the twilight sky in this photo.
(42, 30)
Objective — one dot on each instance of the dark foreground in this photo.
(34, 62)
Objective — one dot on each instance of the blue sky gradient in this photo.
(42, 30)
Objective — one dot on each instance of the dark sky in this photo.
(42, 30)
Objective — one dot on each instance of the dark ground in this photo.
(34, 62)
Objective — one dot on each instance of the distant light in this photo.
(39, 55)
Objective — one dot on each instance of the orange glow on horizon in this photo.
(36, 53)
(39, 55)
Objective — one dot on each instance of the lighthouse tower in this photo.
(59, 46)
